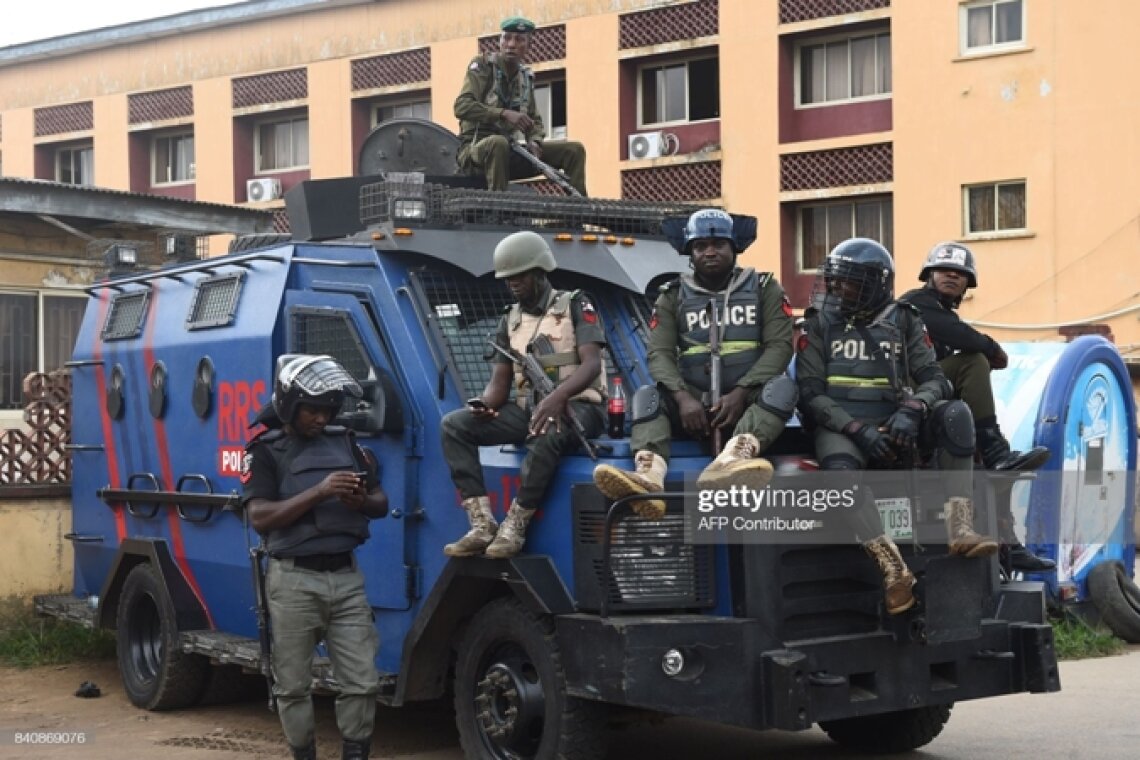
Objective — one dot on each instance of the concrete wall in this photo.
(35, 558)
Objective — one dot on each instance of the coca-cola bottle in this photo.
(616, 408)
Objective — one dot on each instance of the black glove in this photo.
(903, 425)
(870, 441)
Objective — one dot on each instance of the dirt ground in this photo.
(43, 700)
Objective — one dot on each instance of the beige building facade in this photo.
(1010, 125)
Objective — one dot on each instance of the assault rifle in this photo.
(541, 384)
(265, 665)
(544, 168)
(714, 369)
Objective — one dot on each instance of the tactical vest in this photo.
(742, 323)
(557, 323)
(858, 377)
(327, 453)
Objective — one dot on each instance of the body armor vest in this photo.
(742, 326)
(329, 452)
(558, 325)
(858, 377)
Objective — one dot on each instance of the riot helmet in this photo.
(951, 256)
(858, 278)
(521, 252)
(310, 379)
(709, 223)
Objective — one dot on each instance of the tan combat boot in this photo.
(897, 577)
(737, 465)
(961, 537)
(648, 476)
(482, 531)
(512, 533)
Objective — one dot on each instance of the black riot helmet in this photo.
(709, 223)
(951, 256)
(309, 379)
(858, 278)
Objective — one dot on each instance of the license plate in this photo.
(896, 516)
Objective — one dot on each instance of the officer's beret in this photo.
(517, 24)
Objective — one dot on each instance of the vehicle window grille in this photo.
(331, 332)
(125, 316)
(466, 314)
(215, 301)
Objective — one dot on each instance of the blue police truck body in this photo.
(172, 366)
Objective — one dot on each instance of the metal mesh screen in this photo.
(392, 69)
(175, 103)
(215, 302)
(685, 182)
(328, 331)
(547, 43)
(684, 21)
(843, 167)
(806, 10)
(125, 317)
(383, 201)
(466, 313)
(56, 120)
(276, 87)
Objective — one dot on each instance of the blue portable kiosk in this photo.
(1076, 400)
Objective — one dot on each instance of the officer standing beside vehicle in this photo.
(496, 104)
(310, 492)
(574, 328)
(754, 323)
(967, 356)
(872, 391)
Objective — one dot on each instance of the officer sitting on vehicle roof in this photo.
(496, 104)
(967, 357)
(572, 325)
(754, 320)
(310, 492)
(864, 411)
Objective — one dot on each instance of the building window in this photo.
(75, 165)
(995, 207)
(550, 99)
(173, 159)
(37, 334)
(989, 26)
(823, 226)
(282, 145)
(408, 109)
(678, 92)
(852, 68)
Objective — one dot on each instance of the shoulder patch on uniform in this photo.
(246, 467)
(787, 306)
(653, 320)
(589, 314)
(801, 343)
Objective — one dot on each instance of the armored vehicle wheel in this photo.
(156, 674)
(889, 733)
(510, 692)
(1117, 599)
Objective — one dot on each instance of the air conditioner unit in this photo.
(263, 189)
(646, 145)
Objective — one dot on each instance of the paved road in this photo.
(1095, 715)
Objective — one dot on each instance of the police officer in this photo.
(572, 324)
(872, 389)
(310, 492)
(754, 321)
(967, 357)
(496, 104)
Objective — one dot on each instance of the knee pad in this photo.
(645, 404)
(839, 462)
(779, 396)
(954, 428)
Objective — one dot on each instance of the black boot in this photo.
(1014, 556)
(355, 750)
(996, 454)
(305, 753)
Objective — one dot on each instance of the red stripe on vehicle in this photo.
(105, 416)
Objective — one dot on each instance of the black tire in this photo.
(510, 692)
(889, 733)
(156, 674)
(1117, 599)
(264, 240)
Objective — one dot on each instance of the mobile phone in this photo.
(361, 476)
(477, 403)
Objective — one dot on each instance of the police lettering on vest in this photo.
(735, 315)
(856, 348)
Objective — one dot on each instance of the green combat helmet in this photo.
(521, 252)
